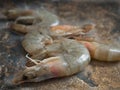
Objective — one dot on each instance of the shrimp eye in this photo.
(40, 32)
(25, 78)
(29, 75)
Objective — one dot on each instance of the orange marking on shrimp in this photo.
(90, 47)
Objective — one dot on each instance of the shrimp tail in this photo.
(102, 52)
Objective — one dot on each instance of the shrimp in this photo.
(65, 57)
(31, 18)
(97, 50)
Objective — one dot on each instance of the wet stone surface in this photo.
(96, 76)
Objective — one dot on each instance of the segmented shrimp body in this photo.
(31, 18)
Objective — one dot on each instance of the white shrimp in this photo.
(31, 18)
(98, 51)
(65, 57)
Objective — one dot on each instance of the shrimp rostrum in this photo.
(56, 50)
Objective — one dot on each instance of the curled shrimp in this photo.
(65, 57)
(31, 18)
(98, 51)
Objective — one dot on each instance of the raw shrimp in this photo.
(65, 57)
(97, 50)
(31, 18)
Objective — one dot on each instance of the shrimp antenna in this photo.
(32, 60)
